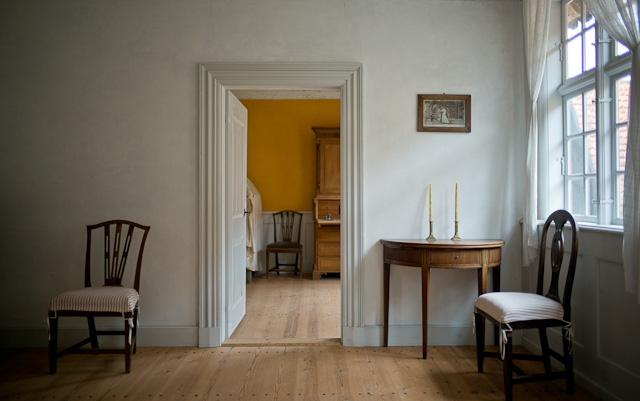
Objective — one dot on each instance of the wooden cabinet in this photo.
(327, 202)
(328, 160)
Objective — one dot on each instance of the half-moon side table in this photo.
(479, 254)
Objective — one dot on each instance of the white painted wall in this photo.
(100, 119)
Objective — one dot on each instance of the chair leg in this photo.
(92, 331)
(479, 340)
(507, 364)
(298, 268)
(135, 330)
(568, 362)
(277, 265)
(267, 273)
(53, 344)
(127, 346)
(301, 259)
(544, 344)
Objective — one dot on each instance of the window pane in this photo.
(622, 99)
(620, 183)
(590, 100)
(574, 57)
(621, 49)
(575, 156)
(591, 161)
(590, 56)
(592, 195)
(590, 20)
(573, 18)
(576, 196)
(574, 115)
(621, 147)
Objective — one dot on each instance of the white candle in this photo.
(430, 210)
(456, 201)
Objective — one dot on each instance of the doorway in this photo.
(215, 80)
(281, 164)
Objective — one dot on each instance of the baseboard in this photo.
(582, 380)
(409, 335)
(183, 336)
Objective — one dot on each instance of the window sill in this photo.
(592, 227)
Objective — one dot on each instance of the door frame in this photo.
(215, 80)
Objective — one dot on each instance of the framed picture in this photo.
(444, 113)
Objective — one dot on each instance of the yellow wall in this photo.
(281, 149)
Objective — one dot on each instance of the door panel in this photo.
(236, 142)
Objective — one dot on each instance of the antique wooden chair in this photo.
(287, 223)
(111, 299)
(515, 311)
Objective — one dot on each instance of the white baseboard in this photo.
(183, 336)
(584, 381)
(408, 335)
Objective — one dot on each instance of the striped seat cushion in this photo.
(96, 299)
(507, 307)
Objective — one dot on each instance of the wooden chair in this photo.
(284, 222)
(111, 299)
(517, 310)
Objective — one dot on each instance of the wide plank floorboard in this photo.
(286, 348)
(283, 309)
(268, 373)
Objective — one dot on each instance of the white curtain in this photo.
(620, 19)
(255, 246)
(535, 15)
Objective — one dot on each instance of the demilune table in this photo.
(479, 254)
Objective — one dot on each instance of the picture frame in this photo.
(444, 113)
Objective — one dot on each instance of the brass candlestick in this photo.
(431, 237)
(456, 237)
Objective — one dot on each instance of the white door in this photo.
(236, 187)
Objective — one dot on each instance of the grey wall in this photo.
(100, 119)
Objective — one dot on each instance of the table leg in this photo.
(482, 273)
(425, 309)
(385, 330)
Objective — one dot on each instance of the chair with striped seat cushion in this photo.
(517, 310)
(121, 239)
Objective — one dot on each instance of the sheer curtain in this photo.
(535, 16)
(620, 19)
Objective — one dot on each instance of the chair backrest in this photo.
(115, 251)
(559, 218)
(286, 220)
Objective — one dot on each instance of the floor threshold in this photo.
(283, 342)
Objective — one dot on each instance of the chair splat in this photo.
(557, 255)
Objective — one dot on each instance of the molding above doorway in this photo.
(215, 80)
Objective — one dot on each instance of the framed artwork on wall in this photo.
(444, 113)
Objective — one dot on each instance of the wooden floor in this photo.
(267, 373)
(322, 370)
(285, 310)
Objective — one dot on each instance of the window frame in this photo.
(609, 68)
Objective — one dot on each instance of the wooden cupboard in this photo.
(327, 202)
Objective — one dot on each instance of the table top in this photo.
(442, 243)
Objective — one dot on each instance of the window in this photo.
(580, 156)
(595, 73)
(621, 111)
(580, 33)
